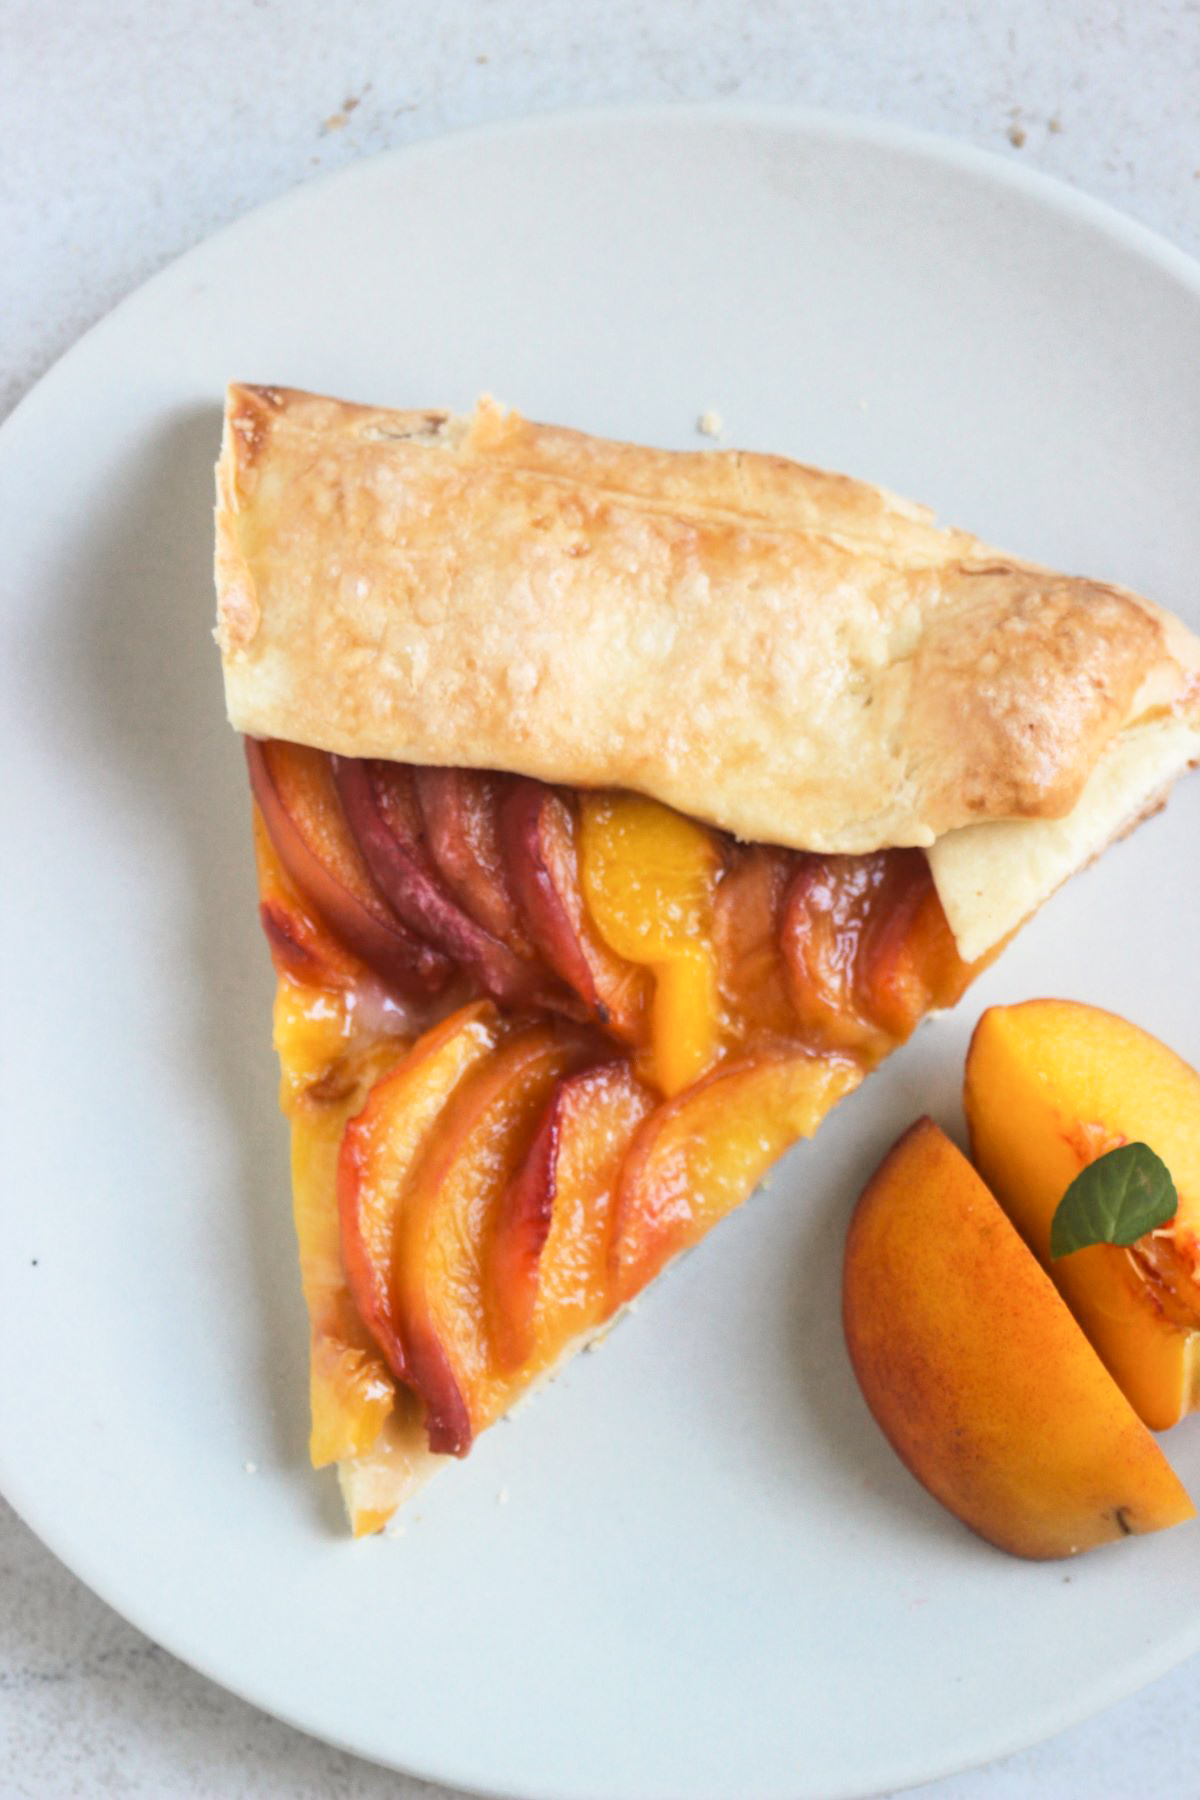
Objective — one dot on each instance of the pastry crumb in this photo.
(710, 423)
(338, 120)
(1016, 135)
(1054, 125)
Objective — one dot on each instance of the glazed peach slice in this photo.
(302, 947)
(295, 792)
(460, 809)
(747, 920)
(869, 949)
(380, 1151)
(1050, 1086)
(977, 1373)
(444, 1223)
(380, 803)
(351, 1388)
(329, 1067)
(548, 1266)
(649, 876)
(539, 835)
(703, 1153)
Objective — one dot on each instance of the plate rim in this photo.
(988, 165)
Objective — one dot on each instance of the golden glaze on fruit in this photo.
(512, 1175)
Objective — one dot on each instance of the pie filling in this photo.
(535, 1042)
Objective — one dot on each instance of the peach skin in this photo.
(977, 1373)
(1050, 1086)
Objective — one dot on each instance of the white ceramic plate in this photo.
(712, 1576)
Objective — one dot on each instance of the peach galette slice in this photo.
(620, 809)
(535, 1043)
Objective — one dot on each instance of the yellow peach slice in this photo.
(977, 1373)
(1050, 1086)
(648, 877)
(703, 1153)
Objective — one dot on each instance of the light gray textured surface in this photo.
(130, 133)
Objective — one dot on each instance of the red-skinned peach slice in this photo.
(381, 806)
(909, 961)
(444, 1225)
(294, 788)
(976, 1372)
(826, 912)
(703, 1153)
(460, 813)
(548, 1267)
(380, 1150)
(747, 921)
(302, 947)
(538, 832)
(868, 949)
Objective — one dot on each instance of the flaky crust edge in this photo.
(485, 619)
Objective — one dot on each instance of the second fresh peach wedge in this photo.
(977, 1373)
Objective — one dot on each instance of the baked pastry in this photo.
(616, 811)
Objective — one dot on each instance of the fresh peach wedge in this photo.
(444, 1222)
(700, 1155)
(379, 1151)
(977, 1373)
(538, 832)
(295, 792)
(649, 876)
(548, 1266)
(1050, 1086)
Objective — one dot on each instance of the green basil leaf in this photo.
(1115, 1200)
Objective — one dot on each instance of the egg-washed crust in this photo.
(791, 655)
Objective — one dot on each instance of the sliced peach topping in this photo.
(461, 813)
(868, 949)
(539, 833)
(295, 791)
(380, 1149)
(329, 1070)
(702, 1154)
(380, 803)
(649, 877)
(303, 949)
(747, 919)
(548, 1266)
(443, 1205)
(505, 1183)
(329, 1066)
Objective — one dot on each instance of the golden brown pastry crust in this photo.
(791, 655)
